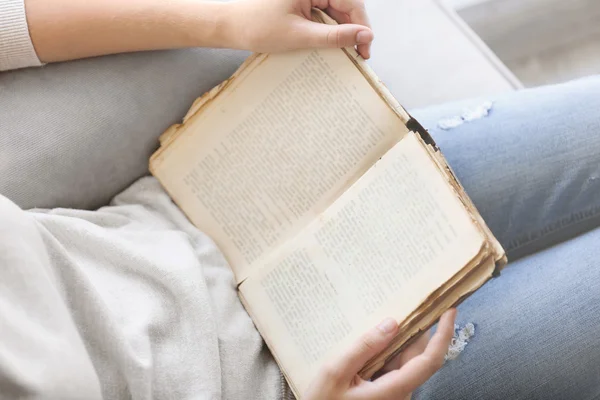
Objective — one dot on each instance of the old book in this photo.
(334, 208)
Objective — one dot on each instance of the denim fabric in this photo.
(532, 167)
(537, 334)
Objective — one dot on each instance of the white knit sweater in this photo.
(16, 48)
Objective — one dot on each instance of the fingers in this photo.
(367, 347)
(419, 369)
(355, 9)
(347, 12)
(357, 14)
(340, 17)
(337, 36)
(416, 348)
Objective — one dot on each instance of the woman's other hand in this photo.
(339, 380)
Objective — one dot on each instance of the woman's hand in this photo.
(277, 25)
(69, 29)
(338, 380)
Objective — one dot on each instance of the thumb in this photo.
(367, 347)
(337, 36)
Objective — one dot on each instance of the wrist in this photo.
(214, 24)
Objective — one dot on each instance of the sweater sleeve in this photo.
(16, 48)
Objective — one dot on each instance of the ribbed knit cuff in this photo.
(16, 48)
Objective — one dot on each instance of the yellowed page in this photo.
(275, 149)
(396, 236)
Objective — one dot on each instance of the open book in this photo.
(334, 208)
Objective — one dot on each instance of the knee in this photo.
(532, 326)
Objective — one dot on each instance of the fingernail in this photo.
(387, 325)
(364, 37)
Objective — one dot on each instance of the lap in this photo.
(531, 168)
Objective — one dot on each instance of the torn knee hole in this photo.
(462, 336)
(468, 115)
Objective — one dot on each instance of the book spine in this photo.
(416, 127)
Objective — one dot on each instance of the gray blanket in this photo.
(127, 302)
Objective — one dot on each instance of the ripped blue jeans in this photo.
(532, 167)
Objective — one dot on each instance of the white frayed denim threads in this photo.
(468, 115)
(460, 340)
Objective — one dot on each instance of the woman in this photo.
(548, 190)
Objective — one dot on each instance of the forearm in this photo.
(70, 29)
(60, 30)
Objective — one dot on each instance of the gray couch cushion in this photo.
(75, 134)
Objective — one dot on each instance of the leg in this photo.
(532, 169)
(531, 166)
(536, 331)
